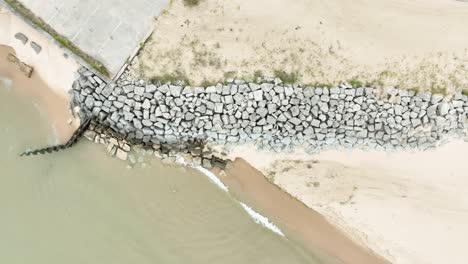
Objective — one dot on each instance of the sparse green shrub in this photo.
(170, 78)
(257, 74)
(355, 83)
(191, 3)
(286, 77)
(206, 83)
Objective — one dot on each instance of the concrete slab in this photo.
(108, 30)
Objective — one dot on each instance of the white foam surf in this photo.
(212, 177)
(206, 172)
(262, 220)
(258, 218)
(6, 83)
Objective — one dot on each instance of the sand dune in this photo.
(414, 44)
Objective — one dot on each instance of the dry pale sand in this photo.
(55, 106)
(298, 221)
(421, 44)
(410, 207)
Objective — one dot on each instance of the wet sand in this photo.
(55, 106)
(297, 220)
(407, 206)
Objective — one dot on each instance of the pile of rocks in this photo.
(272, 115)
(193, 152)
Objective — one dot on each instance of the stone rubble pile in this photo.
(272, 115)
(195, 153)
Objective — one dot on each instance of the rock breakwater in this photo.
(272, 115)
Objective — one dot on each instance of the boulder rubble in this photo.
(273, 116)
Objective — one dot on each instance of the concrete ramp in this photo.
(108, 30)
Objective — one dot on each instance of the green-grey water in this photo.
(81, 206)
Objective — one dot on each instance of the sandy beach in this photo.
(414, 44)
(53, 74)
(408, 207)
(54, 105)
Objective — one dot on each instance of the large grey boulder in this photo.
(218, 108)
(258, 95)
(175, 91)
(150, 88)
(139, 90)
(443, 108)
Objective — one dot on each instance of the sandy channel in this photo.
(299, 222)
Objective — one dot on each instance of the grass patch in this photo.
(439, 90)
(355, 83)
(287, 77)
(414, 89)
(321, 85)
(465, 92)
(206, 83)
(170, 78)
(191, 3)
(257, 74)
(229, 74)
(65, 42)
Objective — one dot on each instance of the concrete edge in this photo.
(134, 53)
(52, 39)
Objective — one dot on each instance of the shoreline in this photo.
(352, 242)
(341, 203)
(298, 221)
(55, 65)
(384, 201)
(54, 70)
(56, 106)
(314, 118)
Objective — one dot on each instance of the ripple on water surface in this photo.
(80, 206)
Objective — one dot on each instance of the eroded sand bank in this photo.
(297, 220)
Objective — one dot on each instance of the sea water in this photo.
(81, 206)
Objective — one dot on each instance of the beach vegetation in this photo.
(355, 83)
(191, 3)
(257, 75)
(439, 90)
(170, 78)
(229, 74)
(206, 83)
(321, 85)
(287, 77)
